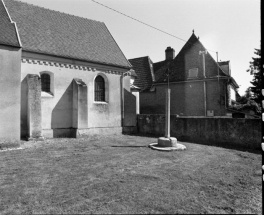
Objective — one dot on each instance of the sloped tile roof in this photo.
(178, 63)
(8, 35)
(142, 68)
(51, 32)
(221, 63)
(160, 67)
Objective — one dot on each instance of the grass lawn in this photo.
(120, 174)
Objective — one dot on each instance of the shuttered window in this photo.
(99, 89)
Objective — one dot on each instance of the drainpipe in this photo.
(203, 53)
(218, 84)
(122, 97)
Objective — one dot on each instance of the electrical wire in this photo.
(145, 23)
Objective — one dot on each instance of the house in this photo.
(199, 85)
(61, 75)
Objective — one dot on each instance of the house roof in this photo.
(142, 67)
(8, 34)
(178, 63)
(160, 67)
(222, 63)
(59, 34)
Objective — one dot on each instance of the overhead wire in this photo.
(145, 23)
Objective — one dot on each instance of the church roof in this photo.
(8, 34)
(59, 34)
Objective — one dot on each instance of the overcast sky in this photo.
(229, 27)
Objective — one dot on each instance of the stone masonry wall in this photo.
(243, 133)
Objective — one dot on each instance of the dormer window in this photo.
(193, 73)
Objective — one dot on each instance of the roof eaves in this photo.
(214, 60)
(81, 59)
(151, 69)
(234, 82)
(130, 66)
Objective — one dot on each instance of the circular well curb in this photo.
(178, 147)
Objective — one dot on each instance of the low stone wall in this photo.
(242, 133)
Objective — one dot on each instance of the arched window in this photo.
(45, 82)
(99, 89)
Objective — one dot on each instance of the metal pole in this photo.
(123, 103)
(218, 84)
(205, 108)
(167, 125)
(203, 64)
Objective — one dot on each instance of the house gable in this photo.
(189, 58)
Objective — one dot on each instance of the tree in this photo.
(254, 69)
(246, 102)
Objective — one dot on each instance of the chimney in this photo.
(169, 53)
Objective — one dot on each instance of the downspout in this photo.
(204, 85)
(218, 84)
(122, 100)
(122, 97)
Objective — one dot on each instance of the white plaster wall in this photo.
(57, 110)
(137, 102)
(232, 94)
(10, 93)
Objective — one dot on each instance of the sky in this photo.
(229, 27)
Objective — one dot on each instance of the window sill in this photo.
(46, 95)
(95, 102)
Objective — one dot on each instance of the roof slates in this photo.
(51, 32)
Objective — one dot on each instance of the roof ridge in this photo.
(11, 21)
(54, 10)
(138, 57)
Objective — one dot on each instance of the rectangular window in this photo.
(193, 73)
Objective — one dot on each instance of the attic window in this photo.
(193, 73)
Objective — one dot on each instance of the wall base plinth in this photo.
(36, 138)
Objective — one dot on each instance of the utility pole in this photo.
(204, 53)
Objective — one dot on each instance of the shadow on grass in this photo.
(131, 146)
(221, 145)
